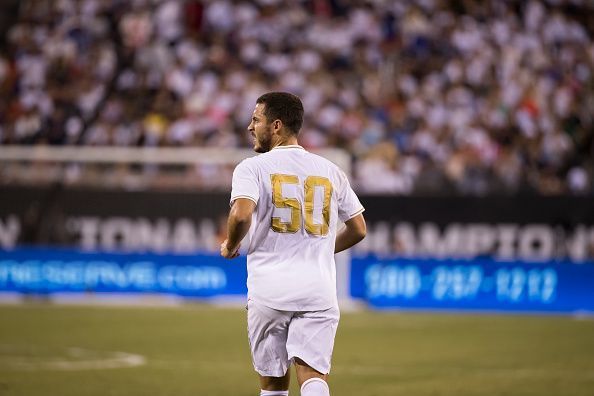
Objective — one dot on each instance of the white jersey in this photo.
(300, 198)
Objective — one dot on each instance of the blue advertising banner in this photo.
(44, 271)
(474, 285)
(480, 284)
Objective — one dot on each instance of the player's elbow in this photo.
(240, 217)
(361, 233)
(357, 228)
(241, 211)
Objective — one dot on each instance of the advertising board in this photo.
(47, 271)
(480, 284)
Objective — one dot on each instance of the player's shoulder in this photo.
(321, 160)
(296, 152)
(335, 169)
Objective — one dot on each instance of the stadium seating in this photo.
(428, 97)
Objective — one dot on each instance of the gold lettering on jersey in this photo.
(310, 187)
(281, 202)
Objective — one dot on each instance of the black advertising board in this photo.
(507, 228)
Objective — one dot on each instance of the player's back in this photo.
(300, 199)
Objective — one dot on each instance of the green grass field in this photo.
(201, 350)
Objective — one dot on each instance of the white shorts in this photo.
(277, 337)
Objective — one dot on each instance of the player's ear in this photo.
(277, 125)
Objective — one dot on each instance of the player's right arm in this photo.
(354, 231)
(244, 198)
(238, 225)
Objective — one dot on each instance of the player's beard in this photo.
(263, 142)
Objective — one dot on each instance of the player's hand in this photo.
(225, 252)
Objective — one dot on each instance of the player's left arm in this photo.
(350, 211)
(354, 231)
(238, 225)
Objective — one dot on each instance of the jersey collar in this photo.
(288, 147)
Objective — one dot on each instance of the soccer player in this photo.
(291, 202)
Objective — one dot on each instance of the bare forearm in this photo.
(345, 240)
(237, 229)
(353, 232)
(238, 225)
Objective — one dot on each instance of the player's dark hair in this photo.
(283, 106)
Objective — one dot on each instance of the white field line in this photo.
(85, 360)
(99, 360)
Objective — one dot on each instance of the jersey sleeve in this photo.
(349, 205)
(245, 183)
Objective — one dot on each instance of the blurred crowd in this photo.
(428, 96)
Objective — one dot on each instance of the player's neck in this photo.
(286, 141)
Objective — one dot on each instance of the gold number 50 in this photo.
(279, 201)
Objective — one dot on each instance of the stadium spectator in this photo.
(480, 97)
